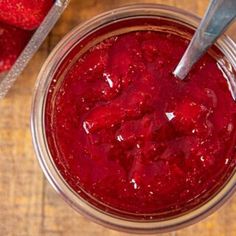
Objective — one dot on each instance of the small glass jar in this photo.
(109, 24)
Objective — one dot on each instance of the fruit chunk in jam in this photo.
(128, 133)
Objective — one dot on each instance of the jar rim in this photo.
(40, 142)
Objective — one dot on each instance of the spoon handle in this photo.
(219, 15)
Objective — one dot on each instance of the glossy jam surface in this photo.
(121, 128)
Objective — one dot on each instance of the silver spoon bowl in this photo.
(219, 15)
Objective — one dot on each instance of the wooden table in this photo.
(28, 204)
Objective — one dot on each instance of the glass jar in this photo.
(108, 24)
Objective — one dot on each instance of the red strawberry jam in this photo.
(17, 17)
(123, 131)
(12, 42)
(26, 14)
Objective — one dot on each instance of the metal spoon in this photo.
(219, 15)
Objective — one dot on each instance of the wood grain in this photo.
(28, 204)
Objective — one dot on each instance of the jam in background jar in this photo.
(18, 21)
